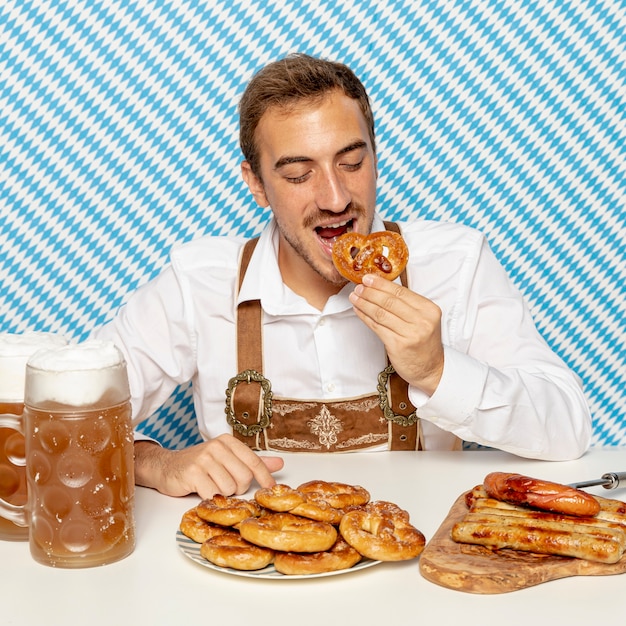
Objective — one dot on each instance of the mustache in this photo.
(352, 210)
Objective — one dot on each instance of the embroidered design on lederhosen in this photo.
(265, 422)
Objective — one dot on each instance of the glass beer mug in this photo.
(15, 350)
(79, 456)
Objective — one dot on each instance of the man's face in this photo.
(318, 175)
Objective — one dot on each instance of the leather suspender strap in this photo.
(403, 437)
(249, 389)
(392, 226)
(249, 320)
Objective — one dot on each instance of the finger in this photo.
(261, 468)
(243, 465)
(393, 306)
(211, 477)
(379, 309)
(212, 468)
(273, 463)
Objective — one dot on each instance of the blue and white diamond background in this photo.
(118, 138)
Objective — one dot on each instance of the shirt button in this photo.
(322, 321)
(330, 387)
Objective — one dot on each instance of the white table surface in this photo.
(158, 584)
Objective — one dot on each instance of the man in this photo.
(456, 344)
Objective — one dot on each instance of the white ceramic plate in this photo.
(191, 549)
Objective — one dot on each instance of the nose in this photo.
(332, 193)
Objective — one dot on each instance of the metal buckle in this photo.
(249, 376)
(383, 399)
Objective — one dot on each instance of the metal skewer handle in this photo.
(610, 480)
(613, 479)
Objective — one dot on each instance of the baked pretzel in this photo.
(304, 543)
(383, 253)
(337, 495)
(197, 529)
(288, 532)
(329, 501)
(340, 556)
(227, 510)
(279, 498)
(316, 508)
(317, 499)
(382, 532)
(540, 494)
(231, 550)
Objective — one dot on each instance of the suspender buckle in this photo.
(249, 376)
(383, 398)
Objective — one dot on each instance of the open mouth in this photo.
(330, 232)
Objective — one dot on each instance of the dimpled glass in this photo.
(80, 472)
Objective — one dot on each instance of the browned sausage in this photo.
(540, 494)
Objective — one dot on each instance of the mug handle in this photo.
(13, 512)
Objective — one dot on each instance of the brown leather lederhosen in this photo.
(264, 422)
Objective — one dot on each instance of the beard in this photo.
(323, 267)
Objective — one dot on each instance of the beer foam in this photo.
(89, 355)
(77, 374)
(15, 350)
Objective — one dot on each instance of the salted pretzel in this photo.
(280, 498)
(288, 532)
(340, 556)
(317, 499)
(337, 495)
(232, 550)
(329, 501)
(540, 494)
(383, 253)
(382, 531)
(227, 510)
(316, 508)
(197, 529)
(320, 526)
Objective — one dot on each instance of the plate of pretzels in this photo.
(317, 529)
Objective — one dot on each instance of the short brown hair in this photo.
(293, 79)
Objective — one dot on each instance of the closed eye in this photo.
(297, 179)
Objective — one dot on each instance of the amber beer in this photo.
(79, 456)
(15, 349)
(12, 472)
(80, 465)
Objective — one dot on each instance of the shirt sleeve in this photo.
(502, 385)
(153, 333)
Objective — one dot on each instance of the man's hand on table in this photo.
(223, 465)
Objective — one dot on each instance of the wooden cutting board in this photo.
(476, 569)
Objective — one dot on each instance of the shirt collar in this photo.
(263, 280)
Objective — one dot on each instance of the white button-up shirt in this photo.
(501, 387)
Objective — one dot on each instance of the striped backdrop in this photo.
(118, 138)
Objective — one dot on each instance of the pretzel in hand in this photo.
(382, 253)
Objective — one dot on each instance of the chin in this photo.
(335, 278)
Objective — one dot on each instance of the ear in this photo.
(255, 185)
